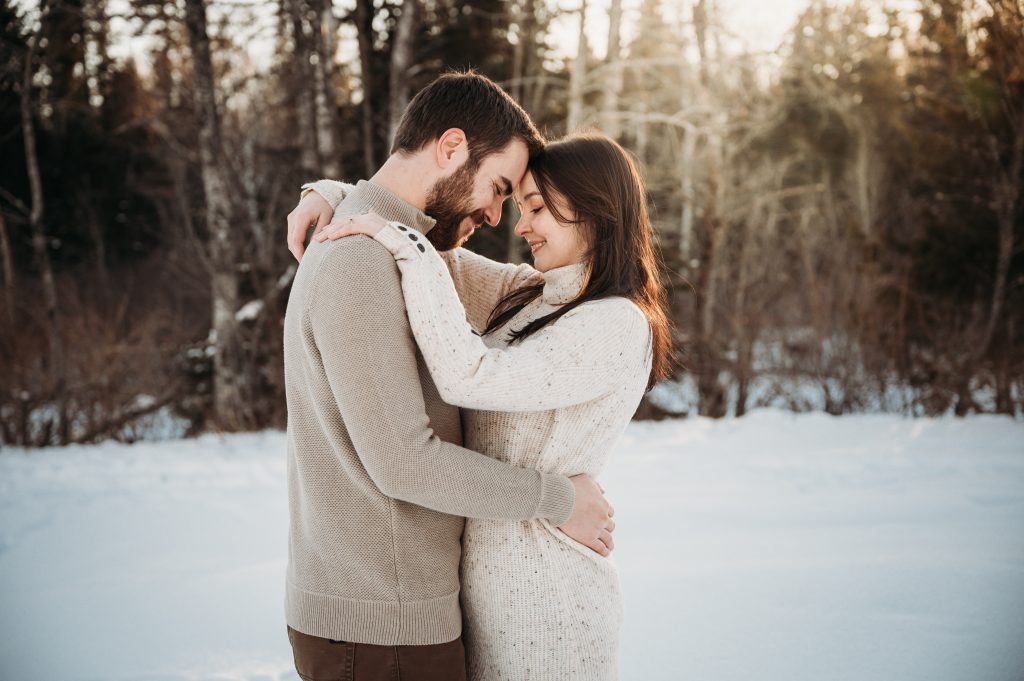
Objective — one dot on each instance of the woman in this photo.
(550, 376)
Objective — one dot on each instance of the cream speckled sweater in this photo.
(538, 606)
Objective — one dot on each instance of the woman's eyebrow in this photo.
(531, 194)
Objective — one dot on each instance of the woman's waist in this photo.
(500, 545)
(550, 455)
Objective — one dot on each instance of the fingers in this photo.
(333, 232)
(324, 219)
(606, 539)
(598, 545)
(296, 236)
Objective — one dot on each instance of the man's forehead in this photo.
(524, 187)
(513, 159)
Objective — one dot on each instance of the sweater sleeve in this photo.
(482, 282)
(353, 316)
(333, 191)
(585, 354)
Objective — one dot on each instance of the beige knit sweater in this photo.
(374, 466)
(538, 605)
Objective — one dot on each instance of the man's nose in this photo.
(493, 213)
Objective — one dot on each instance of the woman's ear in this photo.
(452, 149)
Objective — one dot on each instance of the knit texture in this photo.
(538, 605)
(377, 481)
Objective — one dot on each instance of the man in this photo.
(378, 485)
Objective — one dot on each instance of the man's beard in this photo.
(450, 202)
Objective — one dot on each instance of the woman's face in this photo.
(553, 243)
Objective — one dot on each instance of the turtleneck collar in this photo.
(563, 284)
(390, 207)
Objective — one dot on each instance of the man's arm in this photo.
(358, 320)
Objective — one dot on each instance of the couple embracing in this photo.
(448, 415)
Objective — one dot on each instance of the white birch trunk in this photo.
(610, 120)
(326, 97)
(56, 359)
(230, 382)
(577, 76)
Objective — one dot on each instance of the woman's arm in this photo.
(333, 191)
(482, 282)
(585, 354)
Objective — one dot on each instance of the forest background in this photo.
(841, 212)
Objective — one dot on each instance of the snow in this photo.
(249, 311)
(778, 546)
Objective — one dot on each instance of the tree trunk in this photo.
(7, 262)
(1007, 207)
(56, 363)
(687, 169)
(1006, 201)
(305, 89)
(98, 27)
(401, 60)
(577, 76)
(326, 99)
(518, 52)
(610, 121)
(864, 179)
(700, 27)
(517, 91)
(711, 392)
(364, 30)
(92, 221)
(230, 377)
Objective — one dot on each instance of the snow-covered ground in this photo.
(776, 547)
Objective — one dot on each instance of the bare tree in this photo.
(7, 263)
(578, 75)
(614, 73)
(364, 31)
(305, 87)
(711, 226)
(401, 60)
(326, 97)
(230, 380)
(58, 376)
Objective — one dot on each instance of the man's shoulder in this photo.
(356, 257)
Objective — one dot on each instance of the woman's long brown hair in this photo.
(601, 184)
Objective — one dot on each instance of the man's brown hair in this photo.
(473, 103)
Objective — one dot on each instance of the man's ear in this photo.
(452, 149)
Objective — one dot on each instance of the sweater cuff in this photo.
(557, 497)
(403, 242)
(332, 191)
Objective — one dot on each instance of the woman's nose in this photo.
(522, 227)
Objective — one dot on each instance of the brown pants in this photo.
(321, 659)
